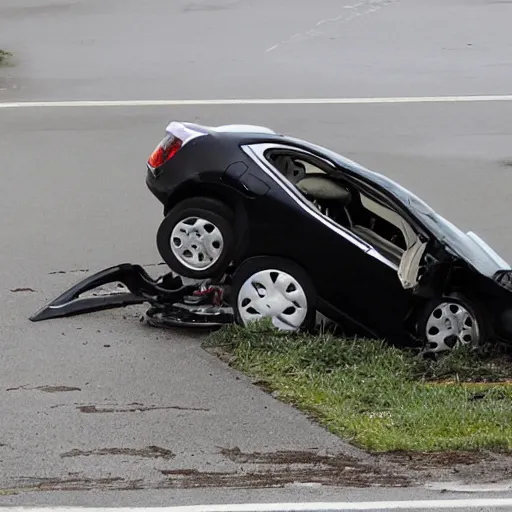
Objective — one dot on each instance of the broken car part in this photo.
(135, 286)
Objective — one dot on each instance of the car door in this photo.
(351, 276)
(386, 305)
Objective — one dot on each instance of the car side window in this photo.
(294, 166)
(381, 227)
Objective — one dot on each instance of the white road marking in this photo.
(248, 101)
(369, 506)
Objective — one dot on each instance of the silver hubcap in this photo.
(274, 294)
(196, 243)
(449, 325)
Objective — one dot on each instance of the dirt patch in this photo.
(420, 461)
(57, 389)
(94, 409)
(76, 484)
(469, 385)
(223, 355)
(469, 467)
(288, 457)
(74, 271)
(395, 468)
(348, 476)
(153, 452)
(180, 472)
(276, 469)
(47, 389)
(258, 470)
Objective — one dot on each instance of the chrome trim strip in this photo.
(260, 148)
(256, 153)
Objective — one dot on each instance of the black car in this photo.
(306, 230)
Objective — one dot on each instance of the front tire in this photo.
(275, 288)
(451, 321)
(196, 238)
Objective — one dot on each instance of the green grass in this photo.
(378, 397)
(4, 56)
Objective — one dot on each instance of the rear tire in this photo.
(276, 288)
(196, 238)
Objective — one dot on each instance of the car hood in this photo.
(471, 248)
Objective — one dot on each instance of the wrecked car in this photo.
(286, 229)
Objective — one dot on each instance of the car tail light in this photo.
(165, 150)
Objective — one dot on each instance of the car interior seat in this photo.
(291, 170)
(324, 188)
(316, 186)
(333, 197)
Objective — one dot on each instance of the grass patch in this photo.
(4, 56)
(378, 397)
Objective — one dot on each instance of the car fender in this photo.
(222, 192)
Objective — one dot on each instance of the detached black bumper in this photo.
(172, 304)
(138, 287)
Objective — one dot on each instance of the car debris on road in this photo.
(261, 224)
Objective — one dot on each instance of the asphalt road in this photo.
(133, 49)
(83, 399)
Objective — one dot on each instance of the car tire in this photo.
(450, 321)
(291, 309)
(196, 238)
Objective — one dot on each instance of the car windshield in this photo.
(458, 241)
